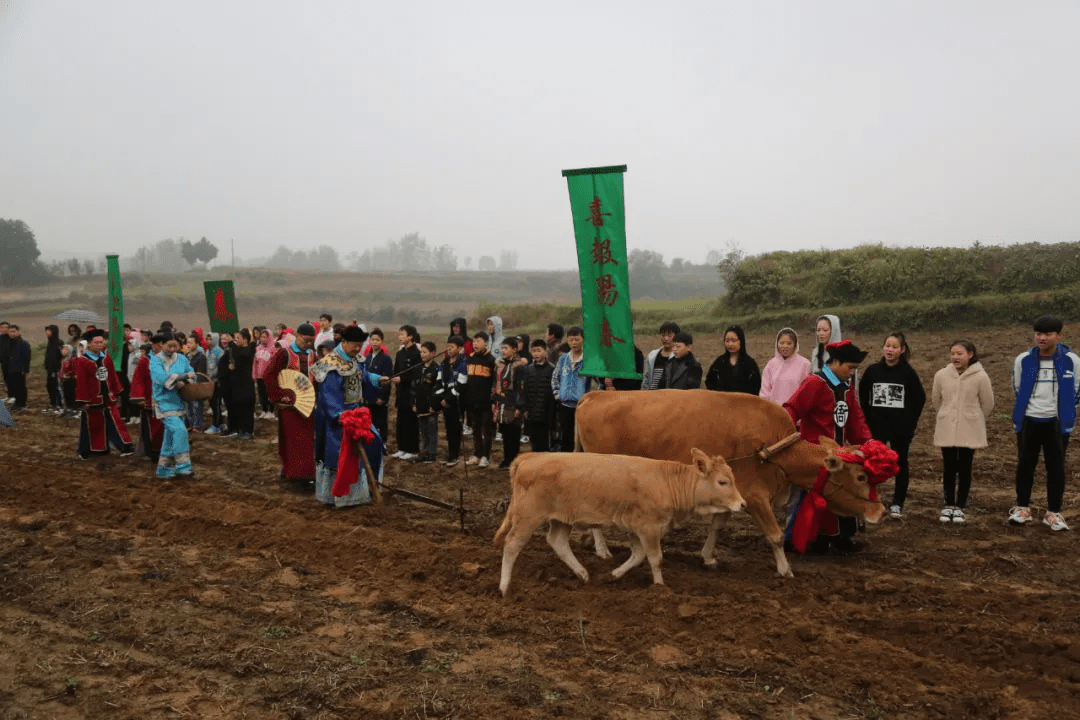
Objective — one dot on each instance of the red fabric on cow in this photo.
(355, 427)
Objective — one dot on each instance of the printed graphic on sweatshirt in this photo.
(840, 414)
(887, 395)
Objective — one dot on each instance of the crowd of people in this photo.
(518, 390)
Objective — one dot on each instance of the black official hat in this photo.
(845, 351)
(307, 330)
(352, 333)
(91, 334)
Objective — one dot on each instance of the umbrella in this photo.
(5, 416)
(81, 316)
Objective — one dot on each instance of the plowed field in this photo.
(235, 595)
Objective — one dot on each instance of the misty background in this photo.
(305, 132)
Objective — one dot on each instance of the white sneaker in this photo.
(1020, 516)
(946, 514)
(472, 461)
(9, 401)
(1055, 521)
(409, 456)
(525, 439)
(397, 455)
(483, 462)
(958, 515)
(466, 431)
(896, 512)
(498, 437)
(451, 463)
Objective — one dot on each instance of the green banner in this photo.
(116, 312)
(221, 306)
(596, 201)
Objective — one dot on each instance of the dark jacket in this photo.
(631, 383)
(19, 360)
(509, 393)
(423, 390)
(892, 399)
(539, 402)
(480, 368)
(744, 376)
(681, 373)
(54, 352)
(380, 364)
(406, 358)
(5, 349)
(241, 383)
(198, 361)
(453, 378)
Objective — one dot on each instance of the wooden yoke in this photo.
(765, 454)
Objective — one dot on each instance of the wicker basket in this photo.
(201, 389)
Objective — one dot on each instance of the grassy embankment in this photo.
(871, 288)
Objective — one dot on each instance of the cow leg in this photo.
(760, 509)
(558, 538)
(599, 545)
(514, 542)
(651, 545)
(637, 554)
(719, 520)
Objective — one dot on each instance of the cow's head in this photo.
(715, 491)
(853, 475)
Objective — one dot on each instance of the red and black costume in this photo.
(97, 386)
(151, 430)
(825, 405)
(296, 433)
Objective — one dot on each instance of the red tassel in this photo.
(355, 425)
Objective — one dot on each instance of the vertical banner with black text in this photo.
(221, 306)
(596, 201)
(116, 312)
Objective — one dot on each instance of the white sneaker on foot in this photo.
(946, 514)
(483, 462)
(397, 455)
(472, 461)
(1020, 516)
(958, 515)
(896, 512)
(1055, 521)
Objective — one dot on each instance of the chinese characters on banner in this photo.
(221, 306)
(116, 312)
(596, 202)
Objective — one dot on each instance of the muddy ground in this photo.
(234, 595)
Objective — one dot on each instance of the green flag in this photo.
(116, 312)
(221, 306)
(596, 201)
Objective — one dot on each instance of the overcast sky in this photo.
(781, 125)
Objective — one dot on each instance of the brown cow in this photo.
(665, 424)
(644, 497)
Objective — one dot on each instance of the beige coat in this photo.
(963, 402)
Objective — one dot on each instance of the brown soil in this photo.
(236, 596)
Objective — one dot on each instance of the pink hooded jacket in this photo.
(781, 377)
(264, 352)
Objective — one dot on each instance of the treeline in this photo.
(876, 274)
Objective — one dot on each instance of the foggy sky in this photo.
(779, 125)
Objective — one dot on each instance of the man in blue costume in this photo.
(341, 377)
(170, 371)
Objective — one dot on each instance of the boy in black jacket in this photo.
(425, 404)
(407, 371)
(377, 401)
(450, 394)
(481, 371)
(539, 402)
(683, 371)
(508, 401)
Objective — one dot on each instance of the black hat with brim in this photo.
(352, 333)
(845, 351)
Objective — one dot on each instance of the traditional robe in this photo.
(151, 430)
(296, 433)
(169, 407)
(340, 388)
(98, 386)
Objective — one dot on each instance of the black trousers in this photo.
(242, 416)
(958, 467)
(452, 420)
(566, 428)
(901, 446)
(69, 393)
(16, 384)
(216, 403)
(539, 435)
(483, 428)
(264, 399)
(429, 435)
(380, 418)
(511, 434)
(1033, 437)
(408, 430)
(52, 384)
